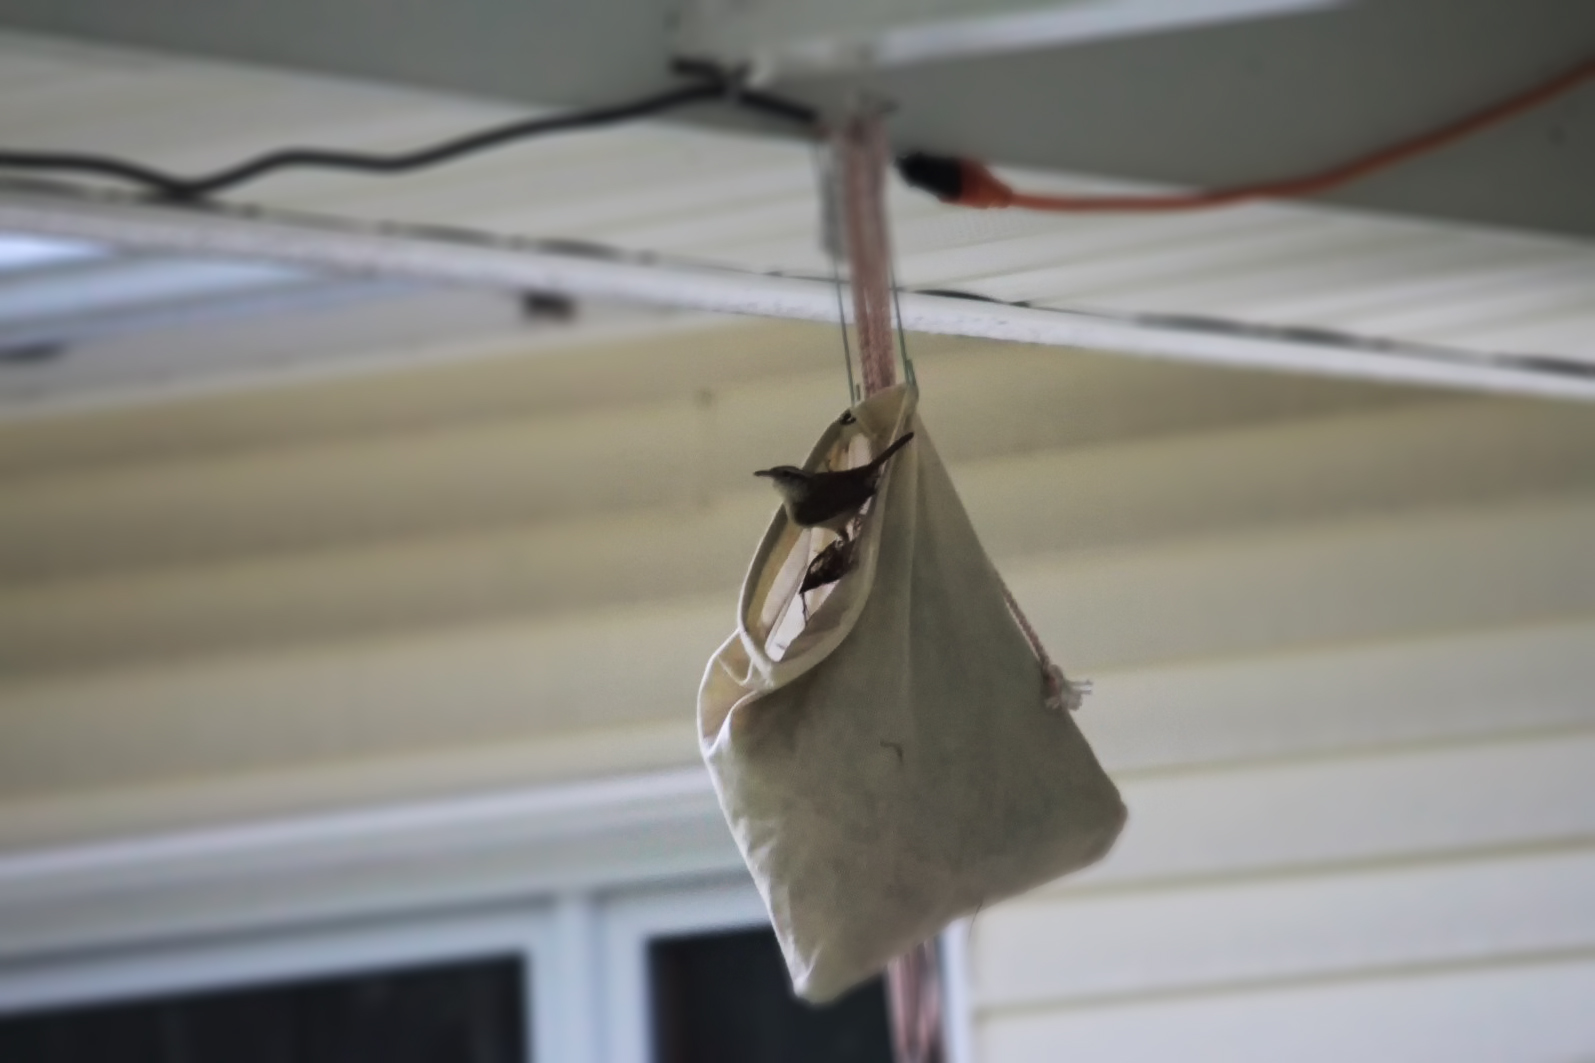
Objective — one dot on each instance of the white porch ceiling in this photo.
(726, 199)
(1215, 106)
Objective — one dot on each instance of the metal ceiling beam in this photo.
(1219, 105)
(482, 260)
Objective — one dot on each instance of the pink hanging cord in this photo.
(913, 980)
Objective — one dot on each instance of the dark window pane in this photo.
(725, 998)
(456, 1013)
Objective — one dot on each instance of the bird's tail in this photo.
(898, 444)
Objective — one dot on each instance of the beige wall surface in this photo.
(1341, 637)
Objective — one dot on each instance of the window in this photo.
(399, 990)
(643, 975)
(725, 998)
(463, 1012)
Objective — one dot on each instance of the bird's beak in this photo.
(764, 472)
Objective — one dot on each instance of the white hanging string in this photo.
(834, 244)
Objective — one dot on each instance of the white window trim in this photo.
(631, 922)
(491, 876)
(295, 955)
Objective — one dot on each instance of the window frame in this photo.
(631, 921)
(271, 956)
(585, 954)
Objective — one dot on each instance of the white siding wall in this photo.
(1396, 865)
(1344, 640)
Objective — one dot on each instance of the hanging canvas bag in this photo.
(882, 747)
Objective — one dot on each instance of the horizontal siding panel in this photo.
(1034, 952)
(1150, 605)
(465, 688)
(450, 693)
(1305, 813)
(1344, 698)
(705, 439)
(1535, 1013)
(993, 398)
(209, 506)
(1370, 580)
(1297, 581)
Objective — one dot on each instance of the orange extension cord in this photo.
(968, 183)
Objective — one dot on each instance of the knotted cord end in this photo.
(1062, 693)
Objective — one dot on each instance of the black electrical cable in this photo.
(714, 84)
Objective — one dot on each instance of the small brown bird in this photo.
(829, 499)
(829, 565)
